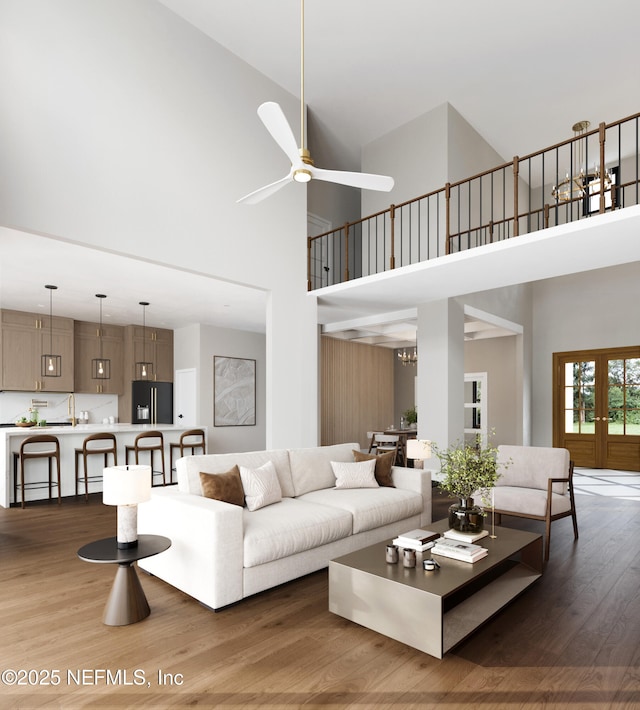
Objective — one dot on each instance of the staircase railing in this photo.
(556, 185)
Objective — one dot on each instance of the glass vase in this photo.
(465, 517)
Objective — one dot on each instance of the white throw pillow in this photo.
(350, 474)
(261, 485)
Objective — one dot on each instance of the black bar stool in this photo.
(90, 449)
(141, 445)
(27, 452)
(192, 439)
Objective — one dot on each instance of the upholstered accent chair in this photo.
(537, 483)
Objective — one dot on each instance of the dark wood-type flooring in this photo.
(571, 641)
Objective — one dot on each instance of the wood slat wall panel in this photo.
(356, 390)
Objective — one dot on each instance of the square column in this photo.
(440, 339)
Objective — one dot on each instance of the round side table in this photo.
(127, 603)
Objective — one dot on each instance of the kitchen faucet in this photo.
(71, 408)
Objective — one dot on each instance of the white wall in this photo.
(414, 155)
(124, 127)
(498, 358)
(195, 347)
(597, 309)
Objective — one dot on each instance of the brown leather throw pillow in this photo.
(226, 487)
(384, 462)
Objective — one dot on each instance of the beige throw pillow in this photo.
(354, 475)
(226, 487)
(261, 485)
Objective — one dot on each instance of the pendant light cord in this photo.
(302, 132)
(51, 320)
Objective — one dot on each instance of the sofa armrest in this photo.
(415, 479)
(205, 559)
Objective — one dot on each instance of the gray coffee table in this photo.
(433, 611)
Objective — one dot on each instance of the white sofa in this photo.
(221, 553)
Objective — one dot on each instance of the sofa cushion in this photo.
(226, 487)
(369, 507)
(384, 464)
(311, 468)
(189, 468)
(289, 527)
(261, 487)
(351, 474)
(528, 501)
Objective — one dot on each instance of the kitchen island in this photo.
(71, 438)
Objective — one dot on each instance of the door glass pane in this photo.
(632, 374)
(632, 422)
(623, 397)
(616, 372)
(580, 397)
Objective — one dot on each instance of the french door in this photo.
(596, 407)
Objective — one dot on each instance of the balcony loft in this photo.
(572, 206)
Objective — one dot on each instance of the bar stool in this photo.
(88, 449)
(140, 445)
(26, 453)
(192, 439)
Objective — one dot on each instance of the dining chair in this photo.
(388, 442)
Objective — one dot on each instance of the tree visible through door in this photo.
(597, 407)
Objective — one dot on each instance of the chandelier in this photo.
(580, 182)
(408, 359)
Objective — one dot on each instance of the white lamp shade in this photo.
(418, 449)
(126, 485)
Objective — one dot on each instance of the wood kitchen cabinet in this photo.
(87, 348)
(156, 348)
(25, 337)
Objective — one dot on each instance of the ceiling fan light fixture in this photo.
(276, 123)
(302, 175)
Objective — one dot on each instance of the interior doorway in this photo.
(596, 407)
(475, 408)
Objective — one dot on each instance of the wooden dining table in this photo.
(404, 435)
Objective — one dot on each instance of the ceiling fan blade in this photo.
(276, 123)
(365, 181)
(265, 191)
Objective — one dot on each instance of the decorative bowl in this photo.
(25, 424)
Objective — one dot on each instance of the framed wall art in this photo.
(234, 391)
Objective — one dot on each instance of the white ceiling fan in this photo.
(302, 167)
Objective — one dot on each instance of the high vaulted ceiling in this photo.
(521, 73)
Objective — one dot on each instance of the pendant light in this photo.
(101, 366)
(144, 369)
(50, 364)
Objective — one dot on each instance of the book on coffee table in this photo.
(465, 537)
(451, 554)
(467, 552)
(419, 540)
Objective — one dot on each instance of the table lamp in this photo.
(418, 449)
(126, 486)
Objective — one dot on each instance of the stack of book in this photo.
(457, 550)
(465, 537)
(418, 540)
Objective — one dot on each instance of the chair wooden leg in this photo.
(59, 482)
(22, 480)
(547, 541)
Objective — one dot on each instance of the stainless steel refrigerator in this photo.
(151, 402)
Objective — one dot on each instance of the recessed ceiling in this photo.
(176, 298)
